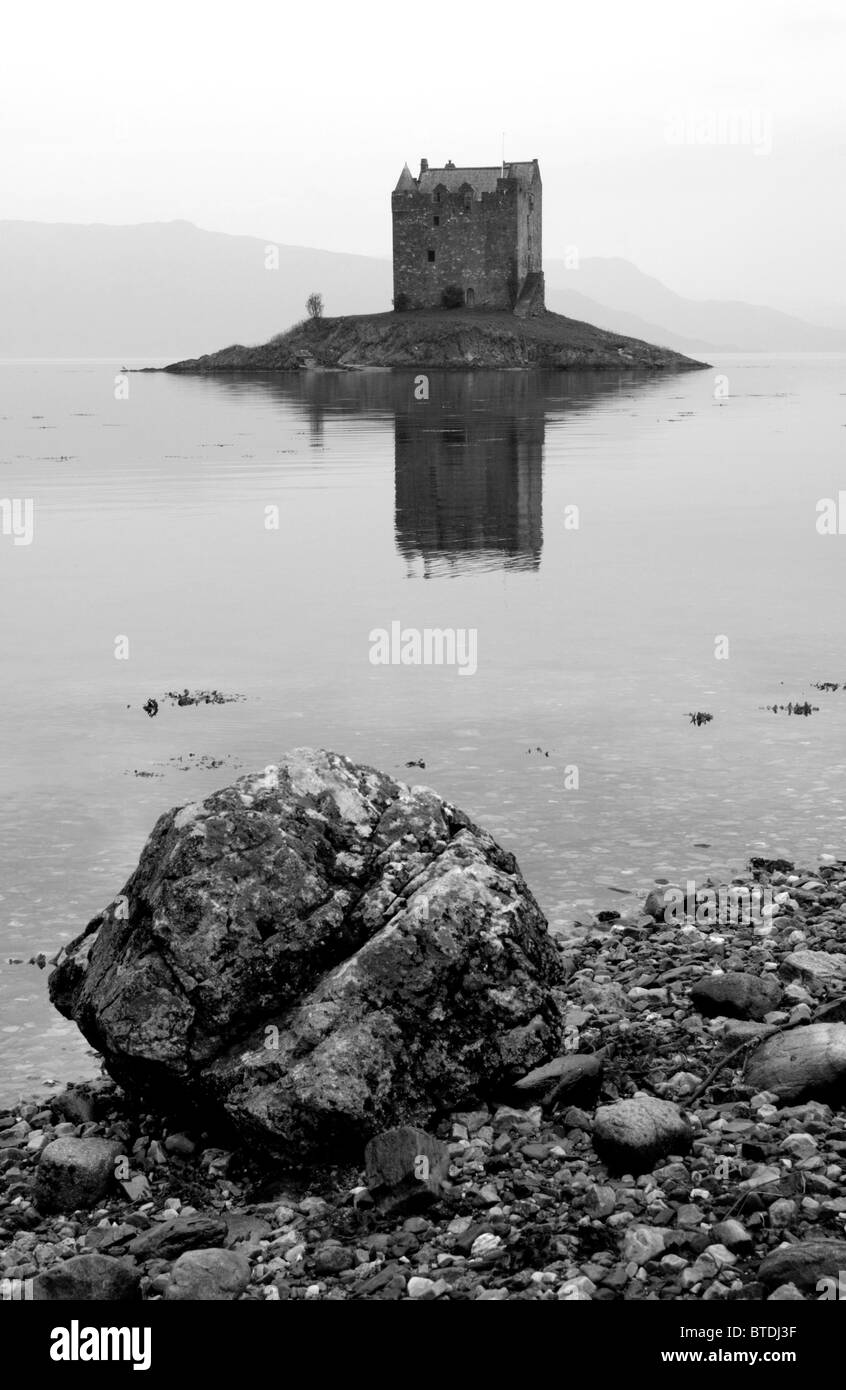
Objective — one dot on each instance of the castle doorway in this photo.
(470, 298)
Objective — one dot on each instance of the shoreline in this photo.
(528, 1210)
(448, 339)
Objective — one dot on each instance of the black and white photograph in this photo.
(423, 738)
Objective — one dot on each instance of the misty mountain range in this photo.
(170, 289)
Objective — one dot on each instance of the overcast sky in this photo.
(705, 142)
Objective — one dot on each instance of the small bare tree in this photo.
(314, 304)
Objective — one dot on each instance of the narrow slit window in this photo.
(431, 256)
(436, 221)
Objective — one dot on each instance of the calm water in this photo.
(697, 520)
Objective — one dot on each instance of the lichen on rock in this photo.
(320, 952)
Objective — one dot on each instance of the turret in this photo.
(405, 183)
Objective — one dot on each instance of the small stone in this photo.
(799, 1146)
(420, 1287)
(485, 1244)
(581, 1289)
(573, 1078)
(642, 1243)
(689, 1216)
(601, 1201)
(722, 1257)
(406, 1165)
(332, 1259)
(180, 1144)
(658, 900)
(576, 1118)
(682, 1084)
(763, 1176)
(137, 1189)
(762, 1098)
(246, 1228)
(74, 1174)
(782, 1213)
(168, 1239)
(472, 1120)
(703, 1268)
(733, 1235)
(813, 967)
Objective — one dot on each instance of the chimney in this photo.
(424, 165)
(449, 164)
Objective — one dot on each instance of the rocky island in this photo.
(469, 292)
(444, 338)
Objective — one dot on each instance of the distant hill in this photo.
(627, 301)
(163, 289)
(170, 290)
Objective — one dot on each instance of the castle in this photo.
(477, 231)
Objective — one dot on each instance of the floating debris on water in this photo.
(201, 697)
(800, 707)
(185, 697)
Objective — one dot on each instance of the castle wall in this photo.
(476, 245)
(529, 247)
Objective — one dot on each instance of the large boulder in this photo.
(813, 968)
(631, 1135)
(736, 994)
(93, 1277)
(320, 951)
(208, 1275)
(804, 1263)
(807, 1063)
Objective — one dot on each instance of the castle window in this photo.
(431, 256)
(436, 221)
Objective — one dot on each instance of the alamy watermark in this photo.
(732, 905)
(16, 1290)
(17, 519)
(747, 126)
(831, 515)
(83, 1343)
(428, 646)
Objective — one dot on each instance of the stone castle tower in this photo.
(476, 229)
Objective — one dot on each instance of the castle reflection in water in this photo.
(468, 461)
(469, 474)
